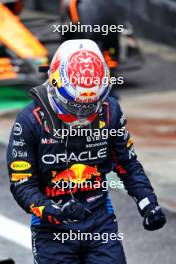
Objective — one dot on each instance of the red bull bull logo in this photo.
(87, 96)
(77, 173)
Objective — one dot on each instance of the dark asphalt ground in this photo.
(141, 246)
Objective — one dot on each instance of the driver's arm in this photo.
(22, 164)
(128, 168)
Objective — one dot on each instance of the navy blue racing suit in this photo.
(38, 159)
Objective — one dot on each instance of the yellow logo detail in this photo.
(130, 142)
(20, 165)
(102, 124)
(20, 176)
(56, 78)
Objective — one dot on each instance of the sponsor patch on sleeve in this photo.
(143, 203)
(20, 165)
(20, 176)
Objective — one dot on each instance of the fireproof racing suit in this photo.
(38, 159)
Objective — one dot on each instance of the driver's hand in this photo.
(72, 211)
(154, 218)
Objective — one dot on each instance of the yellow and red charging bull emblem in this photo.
(78, 175)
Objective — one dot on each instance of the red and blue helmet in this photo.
(78, 82)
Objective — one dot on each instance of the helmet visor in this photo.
(82, 110)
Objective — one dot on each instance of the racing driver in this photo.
(41, 161)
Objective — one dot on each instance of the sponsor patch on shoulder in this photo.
(17, 129)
